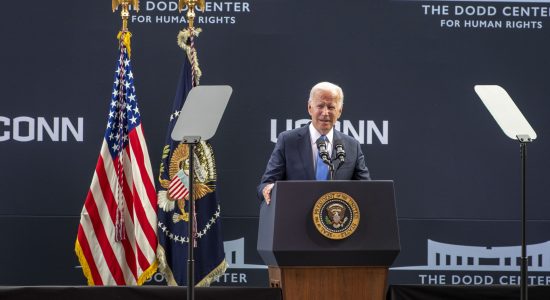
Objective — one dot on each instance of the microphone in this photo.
(340, 152)
(323, 152)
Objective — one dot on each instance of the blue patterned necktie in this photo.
(321, 172)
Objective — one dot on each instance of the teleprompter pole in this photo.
(191, 141)
(523, 140)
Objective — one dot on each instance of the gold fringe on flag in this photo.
(83, 263)
(171, 281)
(217, 272)
(148, 273)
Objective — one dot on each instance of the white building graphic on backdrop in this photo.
(234, 255)
(449, 257)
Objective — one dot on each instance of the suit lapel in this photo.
(304, 150)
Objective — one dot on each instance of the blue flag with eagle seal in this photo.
(173, 197)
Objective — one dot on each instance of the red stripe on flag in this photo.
(175, 183)
(83, 242)
(146, 227)
(181, 194)
(103, 240)
(142, 260)
(136, 143)
(175, 190)
(130, 258)
(139, 209)
(102, 178)
(127, 189)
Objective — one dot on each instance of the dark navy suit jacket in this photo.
(292, 159)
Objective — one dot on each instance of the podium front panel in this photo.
(288, 237)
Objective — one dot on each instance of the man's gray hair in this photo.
(330, 87)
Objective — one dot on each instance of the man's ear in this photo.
(340, 112)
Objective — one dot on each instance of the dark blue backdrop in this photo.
(457, 176)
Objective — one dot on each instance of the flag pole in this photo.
(123, 37)
(191, 6)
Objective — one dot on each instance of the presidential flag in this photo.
(173, 211)
(117, 241)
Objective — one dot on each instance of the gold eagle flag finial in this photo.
(191, 4)
(125, 11)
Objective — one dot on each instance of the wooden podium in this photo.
(307, 265)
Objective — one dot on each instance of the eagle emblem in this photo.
(204, 177)
(116, 3)
(336, 215)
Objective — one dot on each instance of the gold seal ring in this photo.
(336, 215)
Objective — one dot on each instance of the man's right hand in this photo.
(266, 192)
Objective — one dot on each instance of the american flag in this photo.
(117, 241)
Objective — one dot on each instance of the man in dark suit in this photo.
(295, 154)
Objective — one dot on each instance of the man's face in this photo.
(324, 111)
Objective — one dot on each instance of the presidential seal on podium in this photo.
(336, 215)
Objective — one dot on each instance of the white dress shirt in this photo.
(315, 135)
